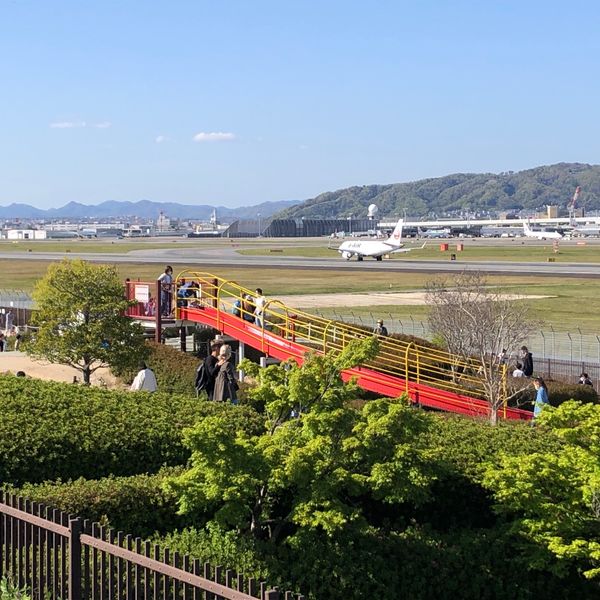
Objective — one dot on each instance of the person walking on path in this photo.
(380, 329)
(527, 361)
(145, 380)
(166, 291)
(541, 397)
(207, 371)
(226, 385)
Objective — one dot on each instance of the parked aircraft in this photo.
(375, 249)
(434, 233)
(540, 235)
(586, 230)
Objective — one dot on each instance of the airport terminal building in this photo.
(302, 227)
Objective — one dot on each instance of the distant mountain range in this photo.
(452, 194)
(144, 209)
(459, 193)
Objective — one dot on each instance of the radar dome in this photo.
(372, 210)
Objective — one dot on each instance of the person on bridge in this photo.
(145, 380)
(226, 385)
(248, 308)
(380, 329)
(259, 302)
(166, 291)
(527, 360)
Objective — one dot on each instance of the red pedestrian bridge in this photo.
(428, 376)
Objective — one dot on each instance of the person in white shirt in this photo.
(518, 372)
(259, 302)
(145, 380)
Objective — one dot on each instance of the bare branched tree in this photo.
(476, 323)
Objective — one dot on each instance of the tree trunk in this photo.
(493, 415)
(87, 373)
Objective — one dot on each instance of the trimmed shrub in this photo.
(175, 370)
(135, 504)
(56, 430)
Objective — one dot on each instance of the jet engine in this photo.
(347, 255)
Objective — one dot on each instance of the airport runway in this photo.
(227, 257)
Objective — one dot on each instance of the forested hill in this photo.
(531, 189)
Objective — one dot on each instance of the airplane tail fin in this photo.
(526, 228)
(396, 238)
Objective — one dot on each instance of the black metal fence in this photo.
(54, 555)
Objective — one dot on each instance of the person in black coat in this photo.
(207, 372)
(527, 360)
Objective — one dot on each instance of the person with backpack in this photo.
(207, 371)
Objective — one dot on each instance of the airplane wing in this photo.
(399, 250)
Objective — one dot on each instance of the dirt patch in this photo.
(17, 361)
(372, 299)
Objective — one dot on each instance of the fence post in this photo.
(74, 559)
(272, 595)
(158, 315)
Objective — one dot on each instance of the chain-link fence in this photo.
(559, 354)
(15, 308)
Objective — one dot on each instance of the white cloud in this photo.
(214, 136)
(103, 125)
(68, 124)
(159, 139)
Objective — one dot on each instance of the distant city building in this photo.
(25, 234)
(163, 223)
(552, 211)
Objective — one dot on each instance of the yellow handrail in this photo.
(413, 361)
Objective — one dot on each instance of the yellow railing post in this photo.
(406, 365)
(218, 302)
(325, 336)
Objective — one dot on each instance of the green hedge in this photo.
(56, 430)
(175, 370)
(135, 504)
(558, 392)
(461, 447)
(418, 563)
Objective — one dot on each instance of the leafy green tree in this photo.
(317, 460)
(554, 498)
(80, 314)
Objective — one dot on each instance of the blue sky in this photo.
(240, 102)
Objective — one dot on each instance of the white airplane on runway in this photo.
(375, 249)
(540, 235)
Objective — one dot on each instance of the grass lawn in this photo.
(573, 303)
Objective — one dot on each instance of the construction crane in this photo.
(571, 205)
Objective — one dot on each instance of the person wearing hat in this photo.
(380, 329)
